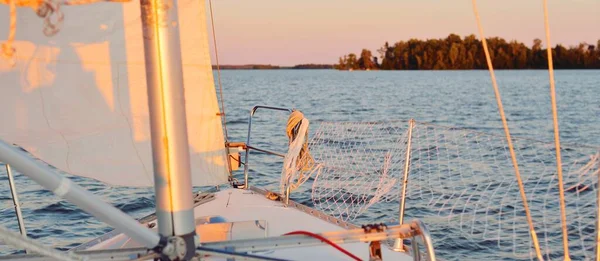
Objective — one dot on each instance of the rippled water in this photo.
(452, 98)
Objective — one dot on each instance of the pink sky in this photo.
(288, 32)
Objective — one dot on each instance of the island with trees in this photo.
(456, 53)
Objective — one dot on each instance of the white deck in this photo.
(237, 205)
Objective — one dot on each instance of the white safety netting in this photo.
(461, 183)
(360, 165)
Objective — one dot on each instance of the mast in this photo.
(166, 102)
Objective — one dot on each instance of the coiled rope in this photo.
(298, 164)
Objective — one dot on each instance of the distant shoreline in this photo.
(273, 67)
(245, 67)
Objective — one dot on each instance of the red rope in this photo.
(336, 246)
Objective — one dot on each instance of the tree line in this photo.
(456, 53)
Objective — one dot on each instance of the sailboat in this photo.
(126, 96)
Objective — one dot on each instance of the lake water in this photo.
(450, 98)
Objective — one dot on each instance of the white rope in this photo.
(19, 241)
(561, 189)
(298, 164)
(508, 136)
(597, 174)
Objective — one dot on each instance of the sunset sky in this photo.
(288, 32)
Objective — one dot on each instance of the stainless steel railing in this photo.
(248, 144)
(421, 237)
(15, 198)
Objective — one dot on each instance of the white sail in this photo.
(77, 100)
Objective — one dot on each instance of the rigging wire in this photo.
(212, 23)
(21, 241)
(508, 136)
(223, 117)
(319, 237)
(561, 189)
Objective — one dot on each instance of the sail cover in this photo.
(78, 100)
